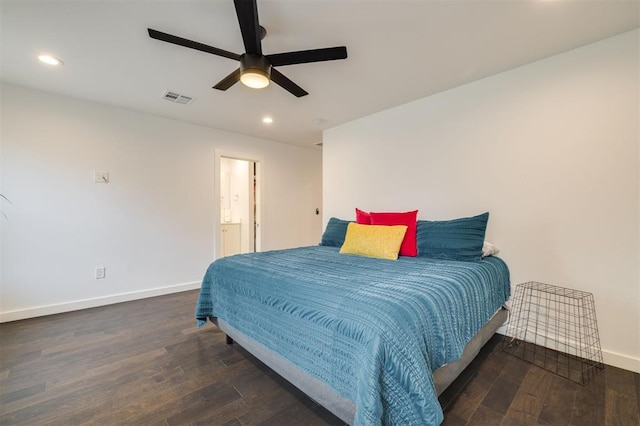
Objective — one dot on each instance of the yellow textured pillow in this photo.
(379, 241)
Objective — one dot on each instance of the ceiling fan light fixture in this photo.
(255, 71)
(256, 79)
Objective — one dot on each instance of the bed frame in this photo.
(324, 395)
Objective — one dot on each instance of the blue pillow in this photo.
(334, 233)
(457, 239)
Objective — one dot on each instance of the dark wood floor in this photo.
(145, 363)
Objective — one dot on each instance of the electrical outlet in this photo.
(101, 272)
(101, 177)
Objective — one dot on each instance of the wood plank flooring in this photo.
(145, 363)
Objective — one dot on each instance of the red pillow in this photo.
(409, 246)
(362, 217)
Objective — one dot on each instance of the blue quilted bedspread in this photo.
(374, 330)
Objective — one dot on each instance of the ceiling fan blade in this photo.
(288, 85)
(159, 35)
(305, 56)
(228, 81)
(247, 11)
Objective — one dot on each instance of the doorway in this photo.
(239, 206)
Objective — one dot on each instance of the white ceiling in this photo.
(399, 51)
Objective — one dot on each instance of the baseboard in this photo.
(626, 362)
(92, 303)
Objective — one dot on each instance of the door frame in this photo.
(217, 193)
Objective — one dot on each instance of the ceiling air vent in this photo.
(177, 98)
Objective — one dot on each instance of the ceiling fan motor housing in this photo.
(255, 70)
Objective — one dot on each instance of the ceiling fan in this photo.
(256, 69)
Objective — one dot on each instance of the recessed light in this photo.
(267, 120)
(50, 60)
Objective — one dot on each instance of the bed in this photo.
(374, 341)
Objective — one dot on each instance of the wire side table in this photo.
(555, 328)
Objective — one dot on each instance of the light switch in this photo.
(101, 177)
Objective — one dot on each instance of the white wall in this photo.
(550, 149)
(152, 226)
